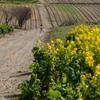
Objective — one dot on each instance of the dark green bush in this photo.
(10, 28)
(5, 29)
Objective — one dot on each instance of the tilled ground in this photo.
(15, 58)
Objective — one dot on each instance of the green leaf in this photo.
(71, 71)
(31, 67)
(54, 86)
(61, 98)
(77, 65)
(36, 48)
(83, 83)
(64, 79)
(54, 94)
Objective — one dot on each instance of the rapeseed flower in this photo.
(80, 99)
(39, 41)
(83, 77)
(49, 47)
(52, 41)
(38, 80)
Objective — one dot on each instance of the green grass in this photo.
(61, 33)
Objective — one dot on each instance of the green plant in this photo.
(69, 71)
(10, 28)
(5, 29)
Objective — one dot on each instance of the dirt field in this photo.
(15, 58)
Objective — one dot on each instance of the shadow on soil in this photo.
(13, 97)
(28, 73)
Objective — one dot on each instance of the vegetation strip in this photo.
(67, 15)
(39, 15)
(75, 13)
(35, 18)
(60, 9)
(71, 15)
(96, 11)
(49, 16)
(54, 15)
(57, 13)
(90, 13)
(83, 13)
(80, 13)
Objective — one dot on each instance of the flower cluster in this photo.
(69, 70)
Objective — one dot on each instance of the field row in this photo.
(56, 13)
(72, 1)
(33, 23)
(59, 14)
(18, 1)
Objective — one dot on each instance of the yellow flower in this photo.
(36, 74)
(39, 41)
(41, 46)
(87, 86)
(88, 75)
(97, 70)
(77, 38)
(90, 60)
(98, 48)
(80, 99)
(83, 77)
(59, 41)
(52, 45)
(51, 41)
(55, 52)
(38, 80)
(72, 42)
(49, 47)
(50, 83)
(67, 41)
(78, 89)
